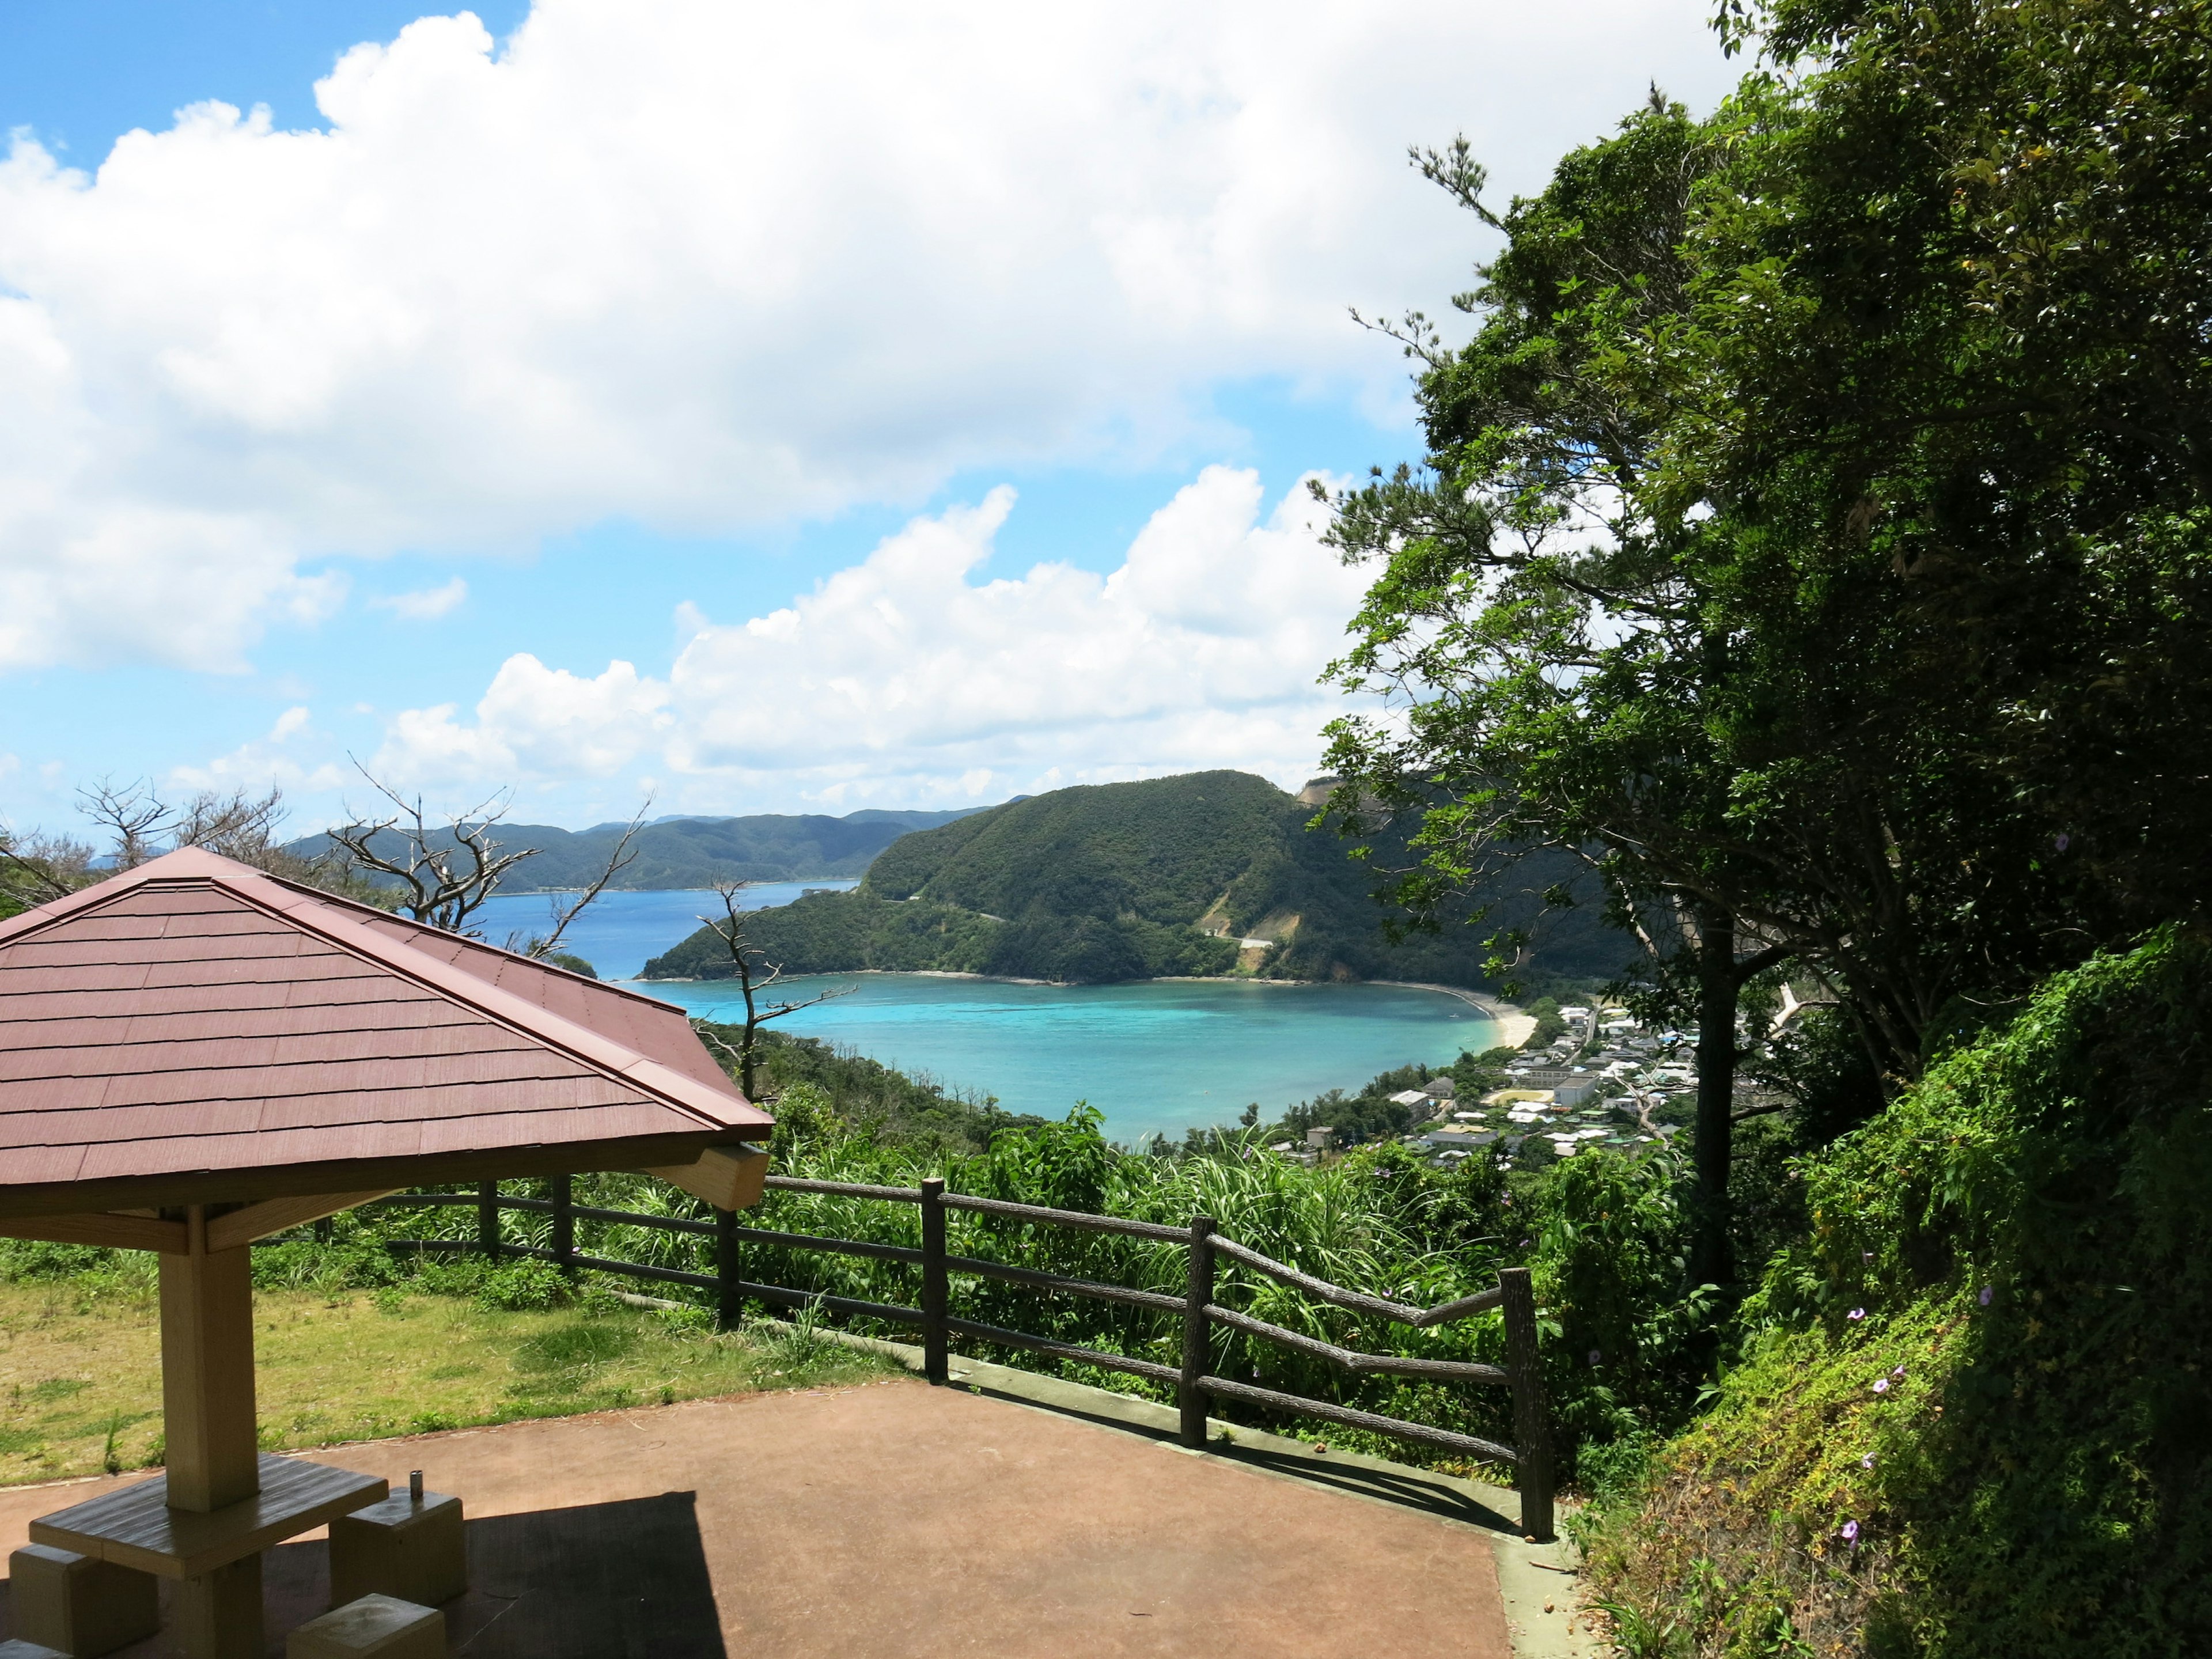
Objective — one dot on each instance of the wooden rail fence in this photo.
(1192, 1381)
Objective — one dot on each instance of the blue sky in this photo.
(648, 321)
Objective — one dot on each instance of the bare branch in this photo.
(133, 814)
(618, 861)
(754, 974)
(446, 884)
(44, 867)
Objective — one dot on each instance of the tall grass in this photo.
(1602, 1233)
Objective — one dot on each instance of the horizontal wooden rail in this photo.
(835, 1246)
(640, 1270)
(1299, 1405)
(1388, 1365)
(1201, 1312)
(665, 1224)
(844, 1189)
(1043, 1281)
(1420, 1318)
(1096, 1223)
(1112, 1361)
(850, 1306)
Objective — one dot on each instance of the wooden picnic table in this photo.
(136, 1528)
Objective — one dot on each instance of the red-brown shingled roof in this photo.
(197, 1016)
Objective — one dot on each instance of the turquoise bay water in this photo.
(1155, 1057)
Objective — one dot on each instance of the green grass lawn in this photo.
(80, 1371)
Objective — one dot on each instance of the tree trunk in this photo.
(1717, 989)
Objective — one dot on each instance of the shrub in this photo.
(525, 1286)
(2025, 1234)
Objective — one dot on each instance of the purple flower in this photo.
(1900, 1371)
(2063, 842)
(1850, 1534)
(1595, 1356)
(1855, 1313)
(1882, 1387)
(1989, 1295)
(1866, 1463)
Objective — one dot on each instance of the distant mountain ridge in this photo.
(1207, 873)
(687, 851)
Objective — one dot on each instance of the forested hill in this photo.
(1132, 881)
(698, 852)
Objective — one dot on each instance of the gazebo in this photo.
(195, 1055)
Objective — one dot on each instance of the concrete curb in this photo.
(1540, 1584)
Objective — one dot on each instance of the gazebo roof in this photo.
(195, 1030)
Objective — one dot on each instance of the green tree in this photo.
(1544, 618)
(1814, 530)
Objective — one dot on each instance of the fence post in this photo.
(1532, 1428)
(936, 1364)
(564, 1223)
(729, 1303)
(1197, 1332)
(487, 1219)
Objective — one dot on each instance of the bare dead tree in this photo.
(133, 815)
(238, 825)
(447, 873)
(618, 861)
(446, 880)
(754, 974)
(36, 868)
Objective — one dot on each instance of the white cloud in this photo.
(918, 675)
(295, 755)
(534, 722)
(708, 263)
(427, 604)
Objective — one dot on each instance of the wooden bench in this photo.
(135, 1527)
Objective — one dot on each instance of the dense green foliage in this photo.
(1815, 527)
(1128, 881)
(2026, 1235)
(685, 852)
(870, 1099)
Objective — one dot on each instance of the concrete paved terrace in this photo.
(893, 1518)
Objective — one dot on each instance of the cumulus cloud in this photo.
(708, 263)
(294, 754)
(427, 604)
(534, 722)
(918, 673)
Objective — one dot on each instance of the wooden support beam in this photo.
(277, 1215)
(109, 1232)
(207, 1374)
(727, 1177)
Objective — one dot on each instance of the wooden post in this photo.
(729, 1305)
(209, 1429)
(936, 1364)
(564, 1223)
(1197, 1332)
(487, 1219)
(1532, 1428)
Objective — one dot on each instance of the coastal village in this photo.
(1606, 1079)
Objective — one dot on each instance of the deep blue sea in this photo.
(619, 933)
(1156, 1057)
